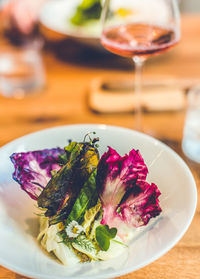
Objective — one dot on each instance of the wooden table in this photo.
(64, 101)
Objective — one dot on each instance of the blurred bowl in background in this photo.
(55, 15)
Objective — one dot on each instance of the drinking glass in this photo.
(191, 134)
(21, 71)
(140, 29)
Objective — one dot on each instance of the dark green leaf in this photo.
(104, 235)
(59, 195)
(86, 197)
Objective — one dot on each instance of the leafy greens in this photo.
(104, 235)
(91, 201)
(62, 190)
(33, 169)
(127, 199)
(86, 199)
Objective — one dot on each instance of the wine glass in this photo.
(140, 29)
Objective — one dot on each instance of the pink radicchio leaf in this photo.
(33, 169)
(140, 206)
(115, 176)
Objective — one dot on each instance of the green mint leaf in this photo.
(104, 235)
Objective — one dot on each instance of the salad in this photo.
(89, 12)
(89, 205)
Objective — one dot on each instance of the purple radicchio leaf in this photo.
(141, 206)
(115, 176)
(127, 199)
(33, 169)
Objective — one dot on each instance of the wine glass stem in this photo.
(138, 91)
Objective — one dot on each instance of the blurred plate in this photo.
(56, 14)
(19, 249)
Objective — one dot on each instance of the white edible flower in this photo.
(74, 229)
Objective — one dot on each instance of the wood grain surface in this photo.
(70, 69)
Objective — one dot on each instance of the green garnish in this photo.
(104, 235)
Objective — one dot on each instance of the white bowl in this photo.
(19, 250)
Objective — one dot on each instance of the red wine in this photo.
(138, 39)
